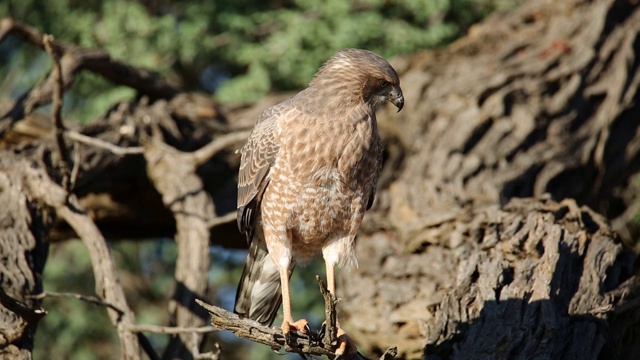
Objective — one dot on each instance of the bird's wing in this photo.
(376, 173)
(259, 296)
(258, 155)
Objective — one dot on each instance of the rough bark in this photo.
(526, 280)
(23, 250)
(539, 100)
(539, 103)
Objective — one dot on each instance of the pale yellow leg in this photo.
(287, 321)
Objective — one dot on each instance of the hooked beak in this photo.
(396, 98)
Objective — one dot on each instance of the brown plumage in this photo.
(307, 174)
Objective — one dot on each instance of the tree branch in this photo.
(273, 337)
(88, 298)
(256, 332)
(107, 285)
(192, 207)
(172, 329)
(206, 152)
(115, 149)
(74, 59)
(56, 111)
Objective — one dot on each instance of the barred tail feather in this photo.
(258, 296)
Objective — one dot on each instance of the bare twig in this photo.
(117, 150)
(208, 151)
(171, 329)
(88, 298)
(56, 111)
(26, 312)
(219, 220)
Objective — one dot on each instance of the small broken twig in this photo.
(88, 298)
(330, 301)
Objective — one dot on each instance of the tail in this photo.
(259, 296)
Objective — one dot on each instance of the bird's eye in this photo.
(384, 83)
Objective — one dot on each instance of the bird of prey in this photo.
(307, 174)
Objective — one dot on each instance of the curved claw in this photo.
(300, 326)
(323, 329)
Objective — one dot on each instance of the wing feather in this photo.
(258, 155)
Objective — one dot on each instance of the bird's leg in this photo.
(301, 325)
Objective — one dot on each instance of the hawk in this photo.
(308, 173)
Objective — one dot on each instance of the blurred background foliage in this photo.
(239, 51)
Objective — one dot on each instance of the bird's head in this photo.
(362, 73)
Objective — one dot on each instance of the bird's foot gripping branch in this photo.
(325, 342)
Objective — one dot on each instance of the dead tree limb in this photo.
(107, 285)
(254, 331)
(74, 59)
(273, 337)
(56, 112)
(193, 209)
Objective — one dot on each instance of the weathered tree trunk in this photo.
(540, 100)
(23, 250)
(532, 279)
(539, 103)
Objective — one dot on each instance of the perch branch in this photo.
(273, 337)
(256, 332)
